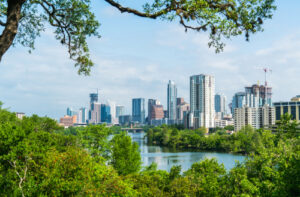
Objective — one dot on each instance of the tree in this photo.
(126, 158)
(24, 20)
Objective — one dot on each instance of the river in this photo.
(166, 158)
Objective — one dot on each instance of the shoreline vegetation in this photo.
(40, 158)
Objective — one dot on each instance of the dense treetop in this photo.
(39, 158)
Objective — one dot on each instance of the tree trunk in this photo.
(11, 28)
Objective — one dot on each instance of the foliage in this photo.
(125, 158)
(246, 141)
(39, 158)
(73, 22)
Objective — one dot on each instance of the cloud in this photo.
(46, 81)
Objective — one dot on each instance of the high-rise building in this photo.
(238, 101)
(138, 110)
(71, 112)
(151, 102)
(220, 104)
(258, 95)
(255, 96)
(94, 111)
(292, 108)
(172, 99)
(82, 116)
(94, 97)
(105, 113)
(120, 111)
(125, 120)
(182, 109)
(112, 106)
(179, 101)
(257, 117)
(202, 100)
(157, 112)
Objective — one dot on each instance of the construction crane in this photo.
(266, 71)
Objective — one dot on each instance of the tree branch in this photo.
(22, 178)
(11, 26)
(2, 23)
(138, 13)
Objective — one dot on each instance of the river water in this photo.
(166, 157)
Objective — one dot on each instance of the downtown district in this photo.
(253, 107)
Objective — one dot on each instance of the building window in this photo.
(293, 112)
(285, 109)
(278, 113)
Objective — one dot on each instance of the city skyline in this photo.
(143, 58)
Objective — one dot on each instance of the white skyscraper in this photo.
(172, 96)
(112, 105)
(202, 100)
(82, 115)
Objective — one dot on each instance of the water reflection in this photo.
(166, 157)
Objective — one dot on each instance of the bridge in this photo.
(134, 130)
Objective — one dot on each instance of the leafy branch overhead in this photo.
(23, 20)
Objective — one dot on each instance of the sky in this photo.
(136, 57)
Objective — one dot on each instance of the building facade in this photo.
(157, 112)
(238, 101)
(120, 111)
(292, 108)
(171, 100)
(138, 110)
(256, 117)
(258, 95)
(181, 111)
(220, 104)
(95, 113)
(151, 102)
(106, 113)
(68, 121)
(82, 116)
(202, 100)
(125, 120)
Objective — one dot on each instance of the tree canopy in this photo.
(40, 158)
(21, 21)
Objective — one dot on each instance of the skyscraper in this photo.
(260, 95)
(238, 101)
(151, 102)
(220, 104)
(94, 111)
(172, 99)
(105, 113)
(82, 115)
(112, 106)
(255, 96)
(138, 110)
(120, 111)
(202, 100)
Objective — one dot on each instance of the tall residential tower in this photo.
(202, 100)
(138, 110)
(172, 99)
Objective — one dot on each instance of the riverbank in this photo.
(167, 157)
(244, 142)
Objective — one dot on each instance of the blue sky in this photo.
(136, 57)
